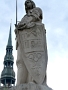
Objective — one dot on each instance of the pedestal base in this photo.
(30, 86)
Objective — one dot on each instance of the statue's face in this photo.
(29, 4)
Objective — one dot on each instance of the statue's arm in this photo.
(20, 26)
(37, 14)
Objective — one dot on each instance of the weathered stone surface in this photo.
(30, 86)
(31, 49)
(32, 55)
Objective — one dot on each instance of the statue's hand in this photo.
(22, 26)
(26, 25)
(15, 30)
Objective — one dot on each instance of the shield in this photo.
(32, 44)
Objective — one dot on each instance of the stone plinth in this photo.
(30, 86)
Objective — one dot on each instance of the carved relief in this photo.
(36, 69)
(35, 56)
(26, 44)
(36, 43)
(28, 33)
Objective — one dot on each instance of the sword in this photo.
(16, 14)
(16, 30)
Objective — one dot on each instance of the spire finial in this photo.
(9, 39)
(11, 21)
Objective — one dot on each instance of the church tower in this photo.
(8, 74)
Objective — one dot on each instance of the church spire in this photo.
(10, 38)
(8, 74)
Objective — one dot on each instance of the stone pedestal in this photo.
(30, 86)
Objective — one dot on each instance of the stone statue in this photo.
(33, 16)
(31, 46)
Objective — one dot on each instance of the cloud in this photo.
(57, 72)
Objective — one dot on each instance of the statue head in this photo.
(29, 4)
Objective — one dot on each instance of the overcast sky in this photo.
(55, 18)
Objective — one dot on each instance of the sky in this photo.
(55, 18)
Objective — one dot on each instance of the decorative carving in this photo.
(36, 43)
(32, 32)
(26, 44)
(34, 56)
